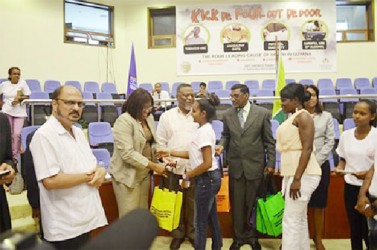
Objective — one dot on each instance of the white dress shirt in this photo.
(174, 132)
(68, 212)
(163, 95)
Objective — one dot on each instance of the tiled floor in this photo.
(21, 219)
(162, 243)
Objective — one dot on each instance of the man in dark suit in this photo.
(247, 140)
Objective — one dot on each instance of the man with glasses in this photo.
(247, 139)
(67, 174)
(174, 132)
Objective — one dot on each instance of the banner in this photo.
(240, 38)
(132, 80)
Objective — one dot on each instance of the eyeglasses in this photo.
(236, 96)
(147, 108)
(72, 103)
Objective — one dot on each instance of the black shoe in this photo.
(176, 244)
(235, 246)
(255, 245)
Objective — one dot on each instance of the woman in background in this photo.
(14, 91)
(132, 161)
(6, 163)
(356, 151)
(324, 136)
(206, 172)
(301, 172)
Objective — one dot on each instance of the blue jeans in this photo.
(207, 186)
(372, 227)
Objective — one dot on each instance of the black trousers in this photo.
(74, 243)
(357, 221)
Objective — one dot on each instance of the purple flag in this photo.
(132, 80)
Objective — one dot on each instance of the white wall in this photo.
(32, 39)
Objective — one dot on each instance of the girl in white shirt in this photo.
(206, 172)
(356, 151)
(14, 91)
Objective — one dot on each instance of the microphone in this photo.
(135, 230)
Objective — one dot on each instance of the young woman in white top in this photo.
(356, 151)
(206, 172)
(14, 91)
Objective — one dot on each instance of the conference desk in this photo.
(336, 224)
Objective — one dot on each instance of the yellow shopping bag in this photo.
(166, 206)
(222, 198)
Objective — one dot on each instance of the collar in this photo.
(182, 113)
(245, 108)
(58, 126)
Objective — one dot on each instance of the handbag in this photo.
(270, 209)
(166, 206)
(222, 198)
(17, 185)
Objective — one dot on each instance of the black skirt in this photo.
(319, 196)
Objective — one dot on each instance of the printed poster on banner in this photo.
(241, 38)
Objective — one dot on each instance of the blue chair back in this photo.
(100, 132)
(39, 95)
(103, 157)
(34, 85)
(109, 87)
(325, 83)
(369, 91)
(51, 85)
(165, 86)
(24, 133)
(269, 84)
(274, 126)
(362, 83)
(265, 92)
(307, 81)
(195, 86)
(147, 86)
(252, 84)
(91, 86)
(229, 84)
(218, 127)
(224, 93)
(288, 81)
(75, 84)
(214, 85)
(343, 83)
(348, 123)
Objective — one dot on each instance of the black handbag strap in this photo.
(268, 185)
(169, 178)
